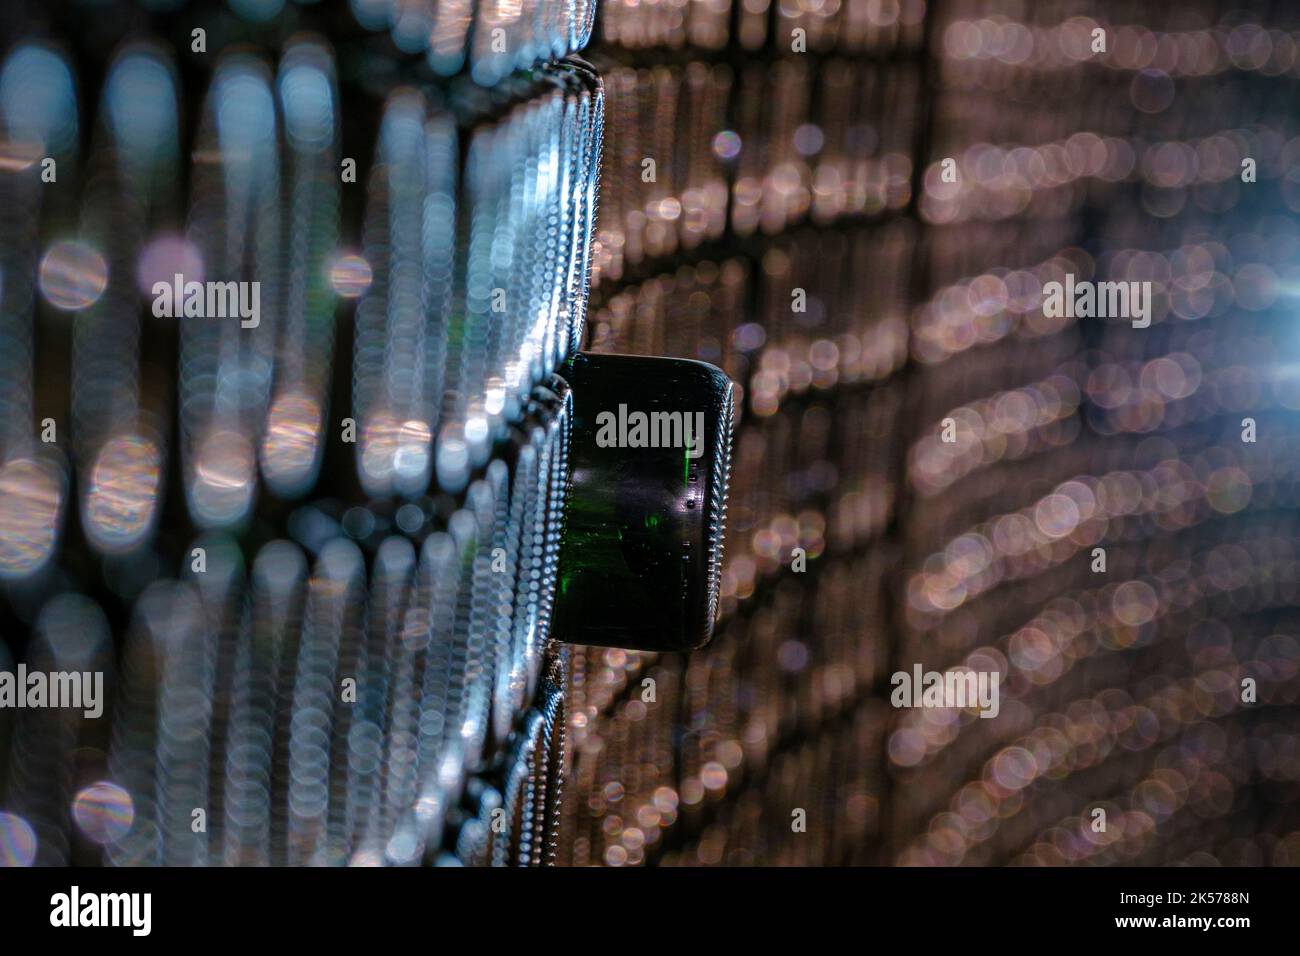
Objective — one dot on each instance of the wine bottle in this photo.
(645, 505)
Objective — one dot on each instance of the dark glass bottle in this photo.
(646, 502)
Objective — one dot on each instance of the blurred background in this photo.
(850, 206)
